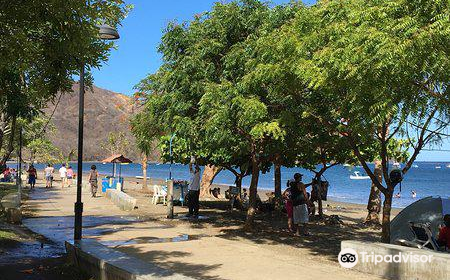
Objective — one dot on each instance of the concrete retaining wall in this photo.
(121, 199)
(103, 263)
(437, 268)
(11, 205)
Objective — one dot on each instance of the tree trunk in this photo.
(374, 203)
(277, 174)
(144, 172)
(3, 123)
(386, 223)
(208, 176)
(10, 147)
(252, 194)
(238, 182)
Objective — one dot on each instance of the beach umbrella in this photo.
(117, 159)
(429, 210)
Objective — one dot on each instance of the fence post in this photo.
(170, 199)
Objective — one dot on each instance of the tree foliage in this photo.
(43, 44)
(248, 84)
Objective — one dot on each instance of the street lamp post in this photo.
(107, 33)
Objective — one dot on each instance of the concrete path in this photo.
(189, 249)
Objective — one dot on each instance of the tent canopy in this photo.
(117, 159)
(426, 210)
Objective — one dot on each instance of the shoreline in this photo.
(262, 192)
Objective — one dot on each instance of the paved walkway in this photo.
(191, 249)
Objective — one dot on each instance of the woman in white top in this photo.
(194, 190)
(63, 175)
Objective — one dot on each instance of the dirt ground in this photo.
(214, 246)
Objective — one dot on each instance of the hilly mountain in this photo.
(105, 112)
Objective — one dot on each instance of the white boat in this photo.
(448, 166)
(415, 166)
(438, 167)
(357, 176)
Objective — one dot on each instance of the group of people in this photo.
(298, 205)
(8, 175)
(66, 175)
(413, 194)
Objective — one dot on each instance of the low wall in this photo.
(437, 266)
(11, 205)
(103, 263)
(121, 199)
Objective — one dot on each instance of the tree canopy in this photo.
(252, 84)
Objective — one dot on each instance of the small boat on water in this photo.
(438, 167)
(357, 176)
(448, 165)
(415, 166)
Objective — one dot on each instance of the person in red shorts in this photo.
(289, 206)
(444, 232)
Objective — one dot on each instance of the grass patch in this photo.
(7, 235)
(7, 188)
(8, 239)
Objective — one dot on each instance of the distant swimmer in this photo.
(398, 195)
(413, 194)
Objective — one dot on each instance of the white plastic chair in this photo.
(158, 193)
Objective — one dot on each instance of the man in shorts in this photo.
(49, 170)
(63, 175)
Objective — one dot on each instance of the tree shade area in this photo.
(248, 85)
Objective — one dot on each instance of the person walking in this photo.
(194, 191)
(32, 176)
(69, 176)
(63, 175)
(49, 170)
(300, 202)
(93, 180)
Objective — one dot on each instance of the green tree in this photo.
(382, 65)
(117, 143)
(146, 130)
(43, 44)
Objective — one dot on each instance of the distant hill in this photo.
(105, 112)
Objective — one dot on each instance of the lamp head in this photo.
(106, 32)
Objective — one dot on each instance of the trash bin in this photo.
(106, 183)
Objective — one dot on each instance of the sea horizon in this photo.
(426, 180)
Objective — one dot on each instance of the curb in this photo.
(104, 263)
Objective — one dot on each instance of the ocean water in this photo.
(426, 179)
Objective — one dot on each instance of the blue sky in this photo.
(137, 54)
